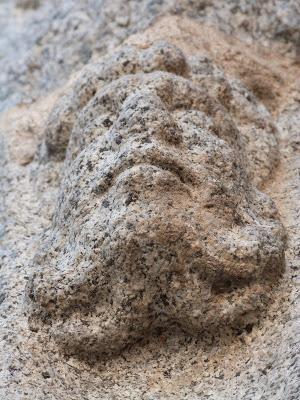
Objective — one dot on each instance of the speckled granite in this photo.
(44, 41)
(255, 360)
(158, 225)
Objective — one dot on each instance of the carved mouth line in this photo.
(163, 166)
(165, 161)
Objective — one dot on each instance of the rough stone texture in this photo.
(26, 4)
(48, 40)
(157, 222)
(252, 359)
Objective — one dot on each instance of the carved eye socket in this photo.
(224, 285)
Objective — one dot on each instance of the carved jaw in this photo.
(173, 277)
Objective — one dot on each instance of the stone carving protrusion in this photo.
(159, 221)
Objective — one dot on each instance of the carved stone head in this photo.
(159, 222)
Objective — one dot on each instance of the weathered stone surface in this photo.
(52, 39)
(158, 223)
(245, 112)
(27, 4)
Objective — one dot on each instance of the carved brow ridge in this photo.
(174, 91)
(171, 97)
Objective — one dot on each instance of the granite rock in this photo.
(52, 39)
(159, 223)
(241, 136)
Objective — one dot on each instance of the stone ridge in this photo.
(159, 223)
